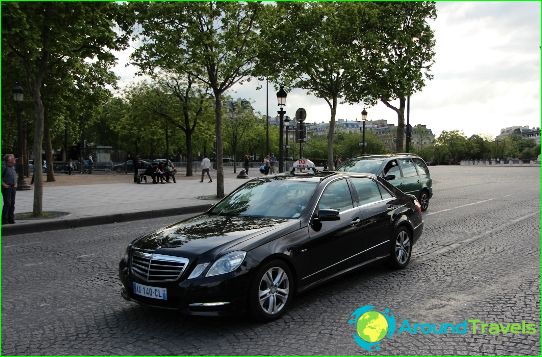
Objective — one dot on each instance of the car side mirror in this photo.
(389, 177)
(328, 215)
(324, 215)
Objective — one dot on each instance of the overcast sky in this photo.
(486, 74)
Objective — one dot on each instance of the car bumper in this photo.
(213, 296)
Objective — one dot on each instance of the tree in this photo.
(44, 35)
(398, 53)
(239, 119)
(312, 44)
(214, 42)
(191, 106)
(455, 144)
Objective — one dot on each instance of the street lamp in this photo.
(281, 98)
(287, 128)
(300, 116)
(18, 97)
(363, 120)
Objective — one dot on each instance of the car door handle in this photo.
(356, 221)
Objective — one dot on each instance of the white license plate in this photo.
(150, 291)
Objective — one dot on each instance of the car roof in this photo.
(315, 177)
(385, 156)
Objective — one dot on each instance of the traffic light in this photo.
(301, 132)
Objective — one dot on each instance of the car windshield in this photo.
(268, 197)
(369, 166)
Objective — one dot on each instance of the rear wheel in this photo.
(401, 248)
(271, 291)
(424, 200)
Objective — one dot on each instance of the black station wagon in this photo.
(271, 238)
(407, 172)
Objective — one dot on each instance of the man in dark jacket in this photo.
(9, 186)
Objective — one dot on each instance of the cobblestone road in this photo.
(478, 258)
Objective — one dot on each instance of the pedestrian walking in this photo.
(9, 186)
(205, 167)
(272, 163)
(70, 167)
(136, 170)
(90, 164)
(246, 163)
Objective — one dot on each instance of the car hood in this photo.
(205, 232)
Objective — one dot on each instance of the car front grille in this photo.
(157, 267)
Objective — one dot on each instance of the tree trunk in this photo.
(48, 147)
(330, 135)
(219, 145)
(37, 210)
(400, 126)
(189, 153)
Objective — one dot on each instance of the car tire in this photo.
(401, 248)
(271, 291)
(424, 200)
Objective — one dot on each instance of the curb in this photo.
(98, 220)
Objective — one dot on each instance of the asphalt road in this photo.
(479, 258)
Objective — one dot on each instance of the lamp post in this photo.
(363, 120)
(300, 116)
(18, 97)
(281, 98)
(287, 128)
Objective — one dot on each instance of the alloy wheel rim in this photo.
(402, 247)
(424, 201)
(274, 290)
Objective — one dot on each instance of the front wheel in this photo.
(271, 291)
(401, 248)
(424, 200)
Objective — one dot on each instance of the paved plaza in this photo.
(478, 258)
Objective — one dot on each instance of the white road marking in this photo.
(20, 245)
(466, 205)
(472, 239)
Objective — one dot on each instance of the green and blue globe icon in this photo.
(372, 327)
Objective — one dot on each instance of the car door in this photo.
(375, 226)
(392, 173)
(331, 243)
(411, 180)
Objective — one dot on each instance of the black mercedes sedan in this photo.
(270, 239)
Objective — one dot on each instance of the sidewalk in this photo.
(101, 199)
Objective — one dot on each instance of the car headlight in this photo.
(227, 263)
(198, 270)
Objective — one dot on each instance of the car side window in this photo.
(336, 196)
(366, 189)
(422, 168)
(384, 193)
(392, 168)
(409, 170)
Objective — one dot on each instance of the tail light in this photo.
(418, 206)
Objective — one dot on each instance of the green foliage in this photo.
(215, 42)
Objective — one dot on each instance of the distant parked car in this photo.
(128, 166)
(407, 172)
(31, 166)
